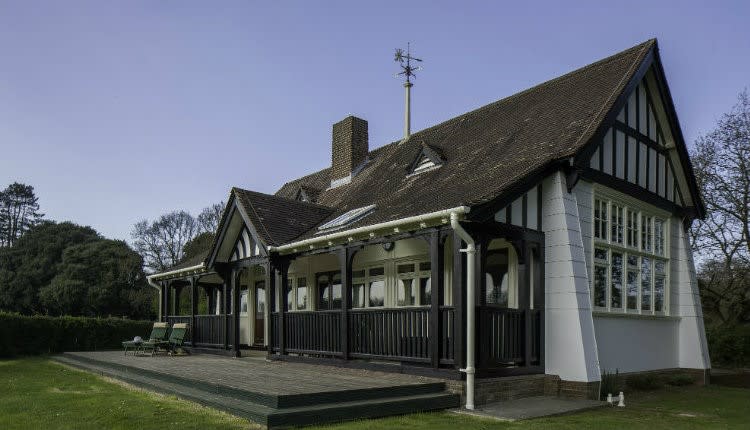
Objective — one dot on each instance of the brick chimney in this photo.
(350, 148)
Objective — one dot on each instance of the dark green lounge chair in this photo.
(158, 334)
(175, 341)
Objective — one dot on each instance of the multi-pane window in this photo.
(413, 284)
(368, 287)
(617, 224)
(632, 233)
(329, 290)
(600, 219)
(296, 295)
(630, 261)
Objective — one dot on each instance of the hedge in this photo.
(729, 345)
(34, 335)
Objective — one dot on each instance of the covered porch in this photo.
(390, 302)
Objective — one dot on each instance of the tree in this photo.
(19, 211)
(208, 219)
(100, 278)
(161, 242)
(33, 261)
(175, 236)
(722, 240)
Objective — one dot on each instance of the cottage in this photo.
(544, 233)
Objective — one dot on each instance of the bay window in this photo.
(630, 258)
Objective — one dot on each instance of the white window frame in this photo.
(367, 280)
(642, 212)
(293, 283)
(415, 276)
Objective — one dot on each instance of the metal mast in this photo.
(407, 70)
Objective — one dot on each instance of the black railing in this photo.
(209, 331)
(390, 333)
(312, 332)
(502, 336)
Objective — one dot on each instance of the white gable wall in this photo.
(570, 344)
(692, 334)
(633, 343)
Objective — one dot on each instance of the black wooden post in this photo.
(225, 306)
(524, 298)
(193, 307)
(236, 313)
(346, 256)
(481, 352)
(436, 296)
(270, 292)
(459, 303)
(177, 293)
(167, 300)
(162, 301)
(282, 281)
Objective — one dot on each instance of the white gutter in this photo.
(470, 251)
(369, 229)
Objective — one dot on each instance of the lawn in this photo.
(38, 393)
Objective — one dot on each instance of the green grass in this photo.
(38, 393)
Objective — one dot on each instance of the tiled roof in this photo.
(279, 220)
(488, 151)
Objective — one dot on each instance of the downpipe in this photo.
(470, 251)
(158, 288)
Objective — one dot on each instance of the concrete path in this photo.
(531, 407)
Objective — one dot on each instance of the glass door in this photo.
(260, 312)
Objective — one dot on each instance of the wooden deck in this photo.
(276, 394)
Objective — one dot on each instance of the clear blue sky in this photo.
(117, 111)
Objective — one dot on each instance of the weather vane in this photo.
(407, 70)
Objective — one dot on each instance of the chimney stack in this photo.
(350, 149)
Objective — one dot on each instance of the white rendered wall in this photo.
(686, 302)
(633, 344)
(570, 344)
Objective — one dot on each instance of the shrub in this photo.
(680, 380)
(644, 382)
(611, 384)
(33, 335)
(729, 345)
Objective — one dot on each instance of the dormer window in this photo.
(307, 195)
(427, 159)
(347, 218)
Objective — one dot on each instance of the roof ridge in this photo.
(589, 66)
(299, 202)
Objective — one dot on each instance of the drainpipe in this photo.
(470, 251)
(158, 288)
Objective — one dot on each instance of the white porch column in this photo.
(570, 343)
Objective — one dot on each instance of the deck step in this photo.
(364, 404)
(274, 401)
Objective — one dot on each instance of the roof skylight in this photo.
(347, 218)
